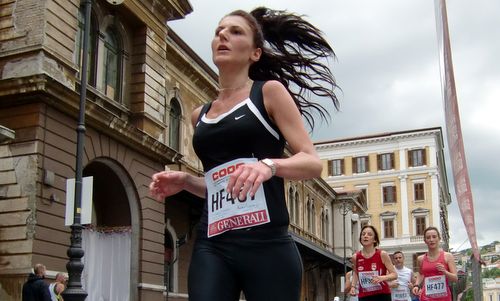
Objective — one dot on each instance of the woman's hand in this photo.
(353, 291)
(167, 183)
(247, 179)
(416, 290)
(377, 279)
(440, 267)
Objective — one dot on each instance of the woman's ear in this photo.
(255, 55)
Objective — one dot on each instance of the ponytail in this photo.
(293, 53)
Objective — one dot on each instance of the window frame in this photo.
(108, 53)
(356, 164)
(414, 160)
(386, 193)
(420, 228)
(336, 167)
(392, 228)
(384, 163)
(419, 193)
(174, 137)
(93, 46)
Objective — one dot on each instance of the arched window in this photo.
(297, 208)
(112, 64)
(313, 218)
(174, 124)
(308, 214)
(325, 226)
(92, 54)
(322, 225)
(291, 204)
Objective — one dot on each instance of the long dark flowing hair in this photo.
(293, 53)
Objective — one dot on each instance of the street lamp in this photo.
(344, 209)
(74, 291)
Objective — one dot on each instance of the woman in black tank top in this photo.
(243, 243)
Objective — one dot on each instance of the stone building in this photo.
(143, 84)
(402, 176)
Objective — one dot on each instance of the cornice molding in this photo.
(42, 88)
(381, 138)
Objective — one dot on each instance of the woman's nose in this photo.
(223, 34)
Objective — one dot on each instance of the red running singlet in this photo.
(368, 268)
(435, 285)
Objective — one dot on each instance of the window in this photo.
(174, 124)
(168, 274)
(291, 204)
(360, 164)
(418, 189)
(389, 194)
(385, 161)
(420, 225)
(112, 65)
(336, 167)
(388, 228)
(325, 227)
(324, 224)
(313, 219)
(416, 157)
(297, 208)
(91, 65)
(308, 214)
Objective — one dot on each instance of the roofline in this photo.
(378, 135)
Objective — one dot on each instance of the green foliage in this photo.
(491, 273)
(468, 296)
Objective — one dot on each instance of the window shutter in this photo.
(410, 158)
(342, 166)
(354, 165)
(392, 161)
(424, 157)
(379, 162)
(394, 194)
(330, 167)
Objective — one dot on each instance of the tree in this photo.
(491, 273)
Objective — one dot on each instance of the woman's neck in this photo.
(433, 252)
(368, 250)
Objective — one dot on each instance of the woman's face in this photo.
(432, 239)
(233, 42)
(367, 237)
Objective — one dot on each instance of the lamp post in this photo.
(344, 209)
(74, 291)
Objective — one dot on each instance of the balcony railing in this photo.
(418, 238)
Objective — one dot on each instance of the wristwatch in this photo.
(271, 165)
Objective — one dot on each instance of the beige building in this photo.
(403, 178)
(143, 84)
(491, 289)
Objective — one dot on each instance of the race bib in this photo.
(226, 213)
(435, 286)
(400, 294)
(365, 279)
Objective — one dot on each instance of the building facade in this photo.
(143, 84)
(402, 176)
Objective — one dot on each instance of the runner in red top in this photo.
(437, 268)
(372, 268)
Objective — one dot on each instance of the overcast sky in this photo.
(388, 68)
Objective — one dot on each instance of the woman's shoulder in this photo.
(273, 87)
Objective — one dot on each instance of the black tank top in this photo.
(246, 131)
